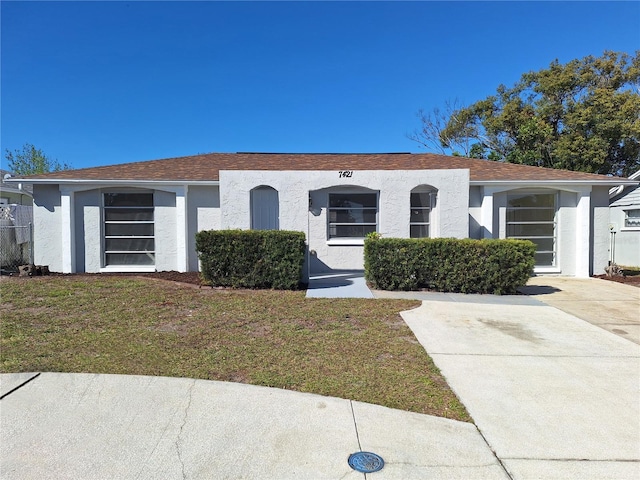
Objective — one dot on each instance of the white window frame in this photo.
(336, 240)
(626, 219)
(127, 267)
(432, 195)
(554, 222)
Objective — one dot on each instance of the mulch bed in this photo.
(186, 277)
(194, 278)
(633, 280)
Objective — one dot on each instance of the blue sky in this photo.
(99, 83)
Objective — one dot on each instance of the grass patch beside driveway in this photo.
(358, 349)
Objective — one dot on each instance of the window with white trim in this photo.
(128, 229)
(532, 216)
(352, 215)
(632, 218)
(420, 219)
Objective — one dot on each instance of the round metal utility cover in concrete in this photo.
(366, 462)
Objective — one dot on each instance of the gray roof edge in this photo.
(605, 183)
(78, 181)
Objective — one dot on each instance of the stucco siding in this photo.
(475, 212)
(47, 227)
(296, 188)
(88, 231)
(566, 232)
(203, 207)
(165, 230)
(600, 229)
(68, 219)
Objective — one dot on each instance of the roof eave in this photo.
(8, 189)
(77, 181)
(603, 183)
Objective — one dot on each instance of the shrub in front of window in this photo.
(251, 258)
(449, 265)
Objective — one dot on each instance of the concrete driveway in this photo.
(609, 305)
(554, 396)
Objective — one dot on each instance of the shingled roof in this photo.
(206, 167)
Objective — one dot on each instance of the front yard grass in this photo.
(358, 349)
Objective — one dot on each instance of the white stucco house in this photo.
(143, 216)
(625, 223)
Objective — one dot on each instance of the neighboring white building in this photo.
(625, 223)
(143, 216)
(13, 193)
(15, 223)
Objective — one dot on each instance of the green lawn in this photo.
(358, 349)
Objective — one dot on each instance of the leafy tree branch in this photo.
(583, 115)
(31, 161)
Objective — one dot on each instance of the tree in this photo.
(583, 115)
(432, 135)
(31, 161)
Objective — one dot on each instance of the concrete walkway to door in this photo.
(338, 284)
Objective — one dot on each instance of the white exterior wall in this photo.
(475, 213)
(449, 218)
(68, 236)
(203, 208)
(88, 226)
(68, 219)
(574, 229)
(165, 230)
(566, 232)
(600, 231)
(47, 227)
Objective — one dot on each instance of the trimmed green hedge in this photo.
(448, 265)
(251, 258)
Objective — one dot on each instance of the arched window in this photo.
(422, 202)
(265, 211)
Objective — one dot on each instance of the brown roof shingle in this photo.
(206, 167)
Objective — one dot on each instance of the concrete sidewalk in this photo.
(127, 427)
(554, 396)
